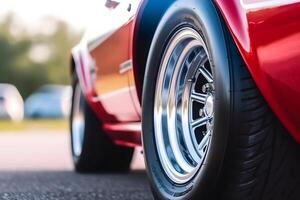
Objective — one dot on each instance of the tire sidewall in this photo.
(201, 16)
(76, 158)
(88, 116)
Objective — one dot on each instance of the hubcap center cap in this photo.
(209, 106)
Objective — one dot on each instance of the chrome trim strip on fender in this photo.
(125, 66)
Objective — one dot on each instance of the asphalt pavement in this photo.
(71, 186)
(37, 165)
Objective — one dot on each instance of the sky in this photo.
(78, 13)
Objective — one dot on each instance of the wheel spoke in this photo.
(199, 122)
(206, 74)
(203, 143)
(204, 59)
(199, 97)
(200, 57)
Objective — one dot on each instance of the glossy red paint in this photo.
(82, 61)
(267, 33)
(103, 63)
(112, 69)
(128, 134)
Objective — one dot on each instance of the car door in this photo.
(110, 51)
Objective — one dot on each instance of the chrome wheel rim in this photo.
(78, 122)
(184, 106)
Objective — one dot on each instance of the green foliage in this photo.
(18, 65)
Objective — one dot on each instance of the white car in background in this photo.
(50, 101)
(11, 103)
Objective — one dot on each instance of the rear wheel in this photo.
(92, 149)
(207, 131)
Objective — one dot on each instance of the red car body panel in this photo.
(103, 63)
(267, 33)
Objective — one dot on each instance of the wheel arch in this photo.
(144, 29)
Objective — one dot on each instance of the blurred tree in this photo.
(29, 60)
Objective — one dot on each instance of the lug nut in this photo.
(208, 87)
(205, 88)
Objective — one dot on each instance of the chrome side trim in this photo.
(125, 66)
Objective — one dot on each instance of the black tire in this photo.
(251, 156)
(99, 153)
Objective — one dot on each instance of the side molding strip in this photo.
(125, 66)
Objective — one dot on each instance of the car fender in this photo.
(267, 34)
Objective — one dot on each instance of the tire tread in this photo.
(259, 159)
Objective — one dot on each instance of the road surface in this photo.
(37, 165)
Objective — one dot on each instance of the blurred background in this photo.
(35, 42)
(36, 38)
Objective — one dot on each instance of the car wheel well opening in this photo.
(146, 25)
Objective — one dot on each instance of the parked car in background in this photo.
(50, 101)
(11, 103)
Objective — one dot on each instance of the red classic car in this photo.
(210, 88)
